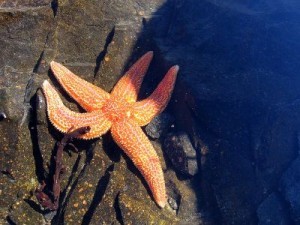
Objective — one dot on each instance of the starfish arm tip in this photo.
(150, 54)
(161, 204)
(55, 66)
(45, 83)
(173, 70)
(52, 63)
(176, 68)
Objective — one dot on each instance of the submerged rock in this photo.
(159, 125)
(290, 189)
(272, 211)
(181, 152)
(239, 72)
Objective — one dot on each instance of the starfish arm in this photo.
(130, 137)
(129, 85)
(89, 96)
(144, 111)
(66, 120)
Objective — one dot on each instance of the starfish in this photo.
(119, 112)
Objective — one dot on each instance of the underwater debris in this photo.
(49, 197)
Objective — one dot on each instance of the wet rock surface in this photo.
(272, 211)
(99, 184)
(17, 4)
(181, 152)
(159, 125)
(289, 187)
(236, 98)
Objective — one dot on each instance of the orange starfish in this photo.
(118, 111)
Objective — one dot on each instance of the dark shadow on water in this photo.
(111, 148)
(10, 221)
(38, 158)
(36, 207)
(118, 210)
(102, 54)
(54, 6)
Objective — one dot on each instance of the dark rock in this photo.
(278, 144)
(181, 152)
(235, 186)
(290, 189)
(239, 67)
(174, 196)
(173, 204)
(23, 34)
(185, 203)
(159, 125)
(272, 212)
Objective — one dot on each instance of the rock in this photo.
(95, 40)
(186, 204)
(99, 183)
(180, 151)
(159, 125)
(23, 33)
(22, 4)
(132, 211)
(173, 203)
(22, 213)
(237, 88)
(290, 189)
(239, 68)
(272, 212)
(278, 147)
(130, 206)
(234, 195)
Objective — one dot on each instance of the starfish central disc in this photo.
(116, 109)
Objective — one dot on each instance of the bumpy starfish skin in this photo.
(119, 112)
(130, 137)
(64, 119)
